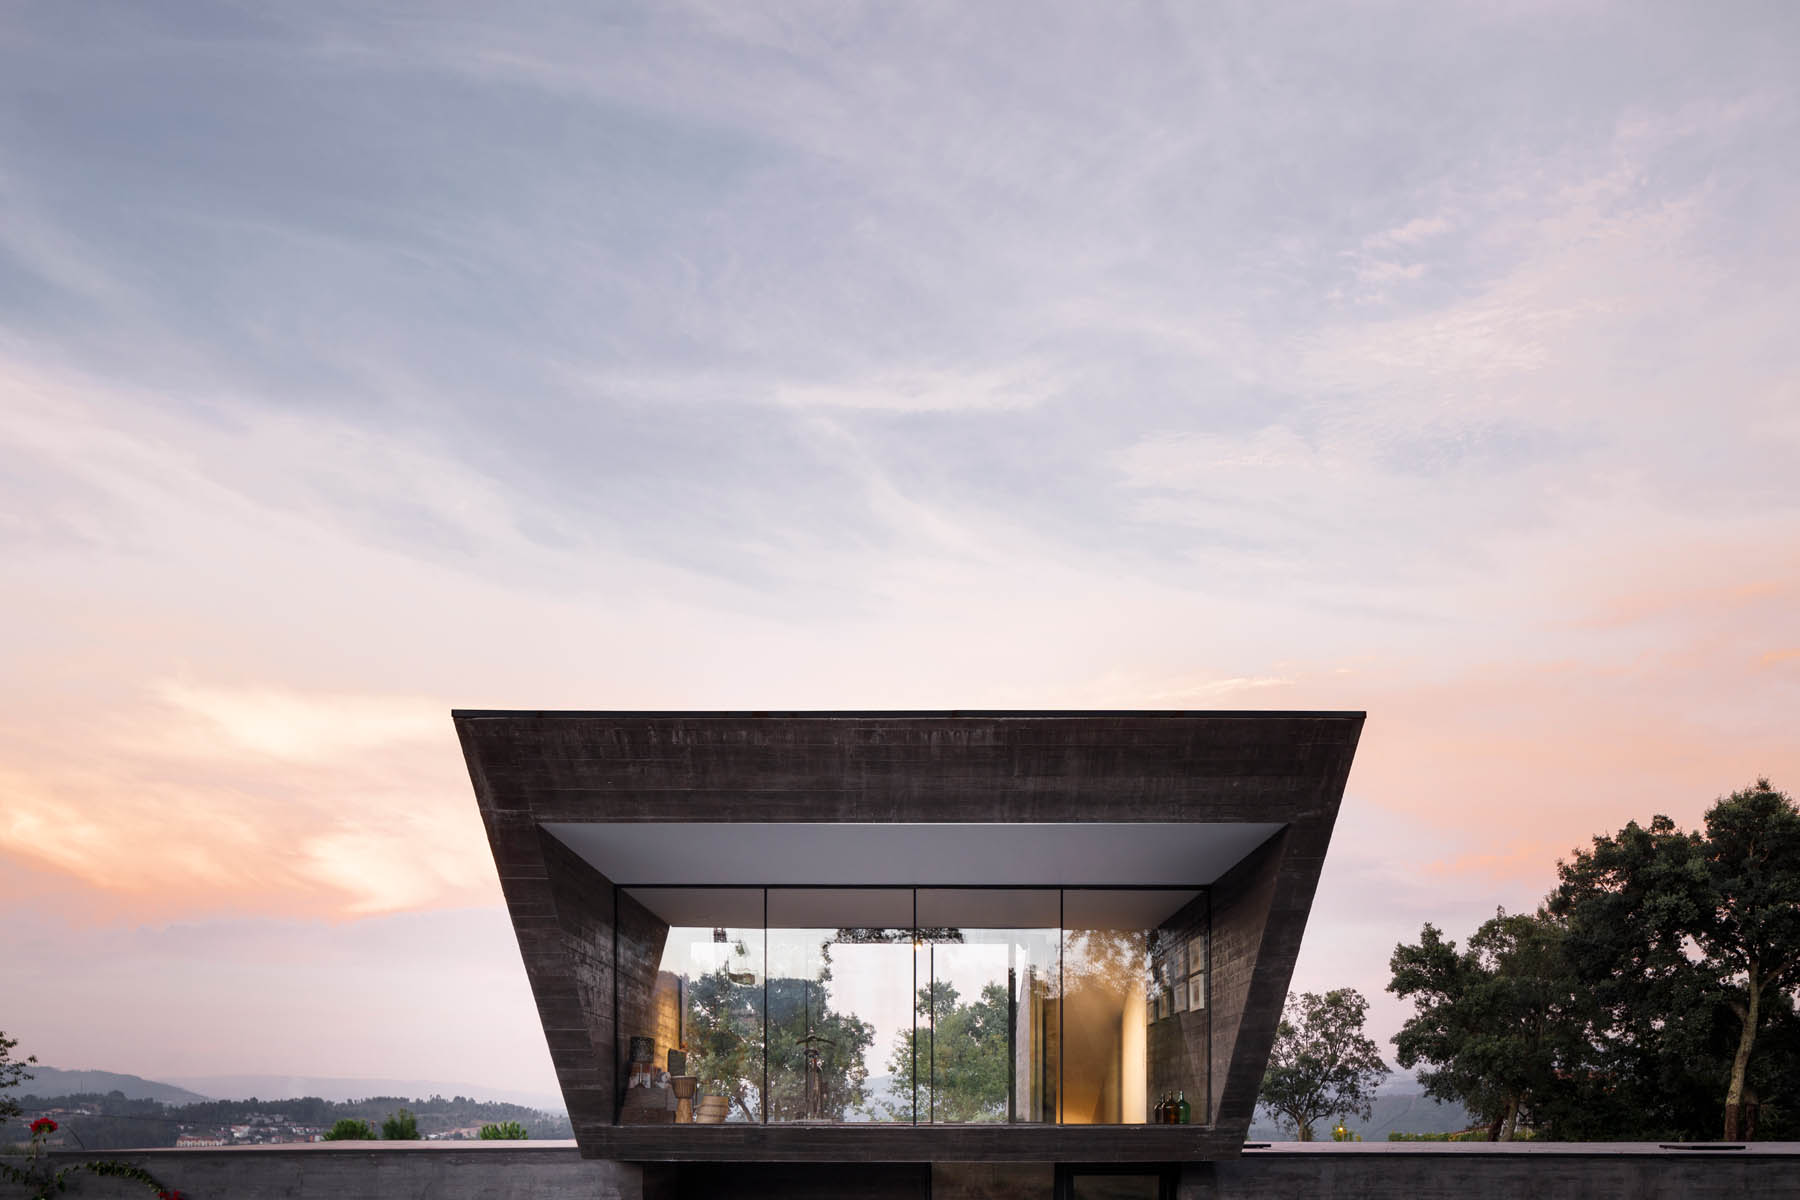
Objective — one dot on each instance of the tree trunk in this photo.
(1304, 1129)
(1512, 1119)
(744, 1104)
(1740, 1064)
(1494, 1127)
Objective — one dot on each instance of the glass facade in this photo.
(795, 1005)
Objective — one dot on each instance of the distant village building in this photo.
(195, 1141)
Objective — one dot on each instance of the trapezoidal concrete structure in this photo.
(633, 845)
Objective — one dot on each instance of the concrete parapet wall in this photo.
(1441, 1171)
(370, 1171)
(494, 1171)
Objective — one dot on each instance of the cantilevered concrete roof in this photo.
(576, 803)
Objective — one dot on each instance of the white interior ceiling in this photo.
(893, 908)
(1089, 854)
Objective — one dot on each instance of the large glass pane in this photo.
(841, 973)
(985, 1013)
(1129, 1039)
(706, 1002)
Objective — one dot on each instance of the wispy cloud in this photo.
(354, 365)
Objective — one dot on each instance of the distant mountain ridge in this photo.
(1393, 1112)
(48, 1082)
(337, 1087)
(53, 1081)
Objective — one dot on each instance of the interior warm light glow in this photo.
(1133, 1083)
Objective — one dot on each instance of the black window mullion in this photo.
(764, 1104)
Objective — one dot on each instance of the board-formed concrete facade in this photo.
(1267, 784)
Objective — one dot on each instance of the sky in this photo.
(363, 360)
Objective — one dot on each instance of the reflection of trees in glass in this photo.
(724, 1038)
(972, 1062)
(1111, 958)
(798, 1007)
(724, 1043)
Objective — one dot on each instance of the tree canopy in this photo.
(1322, 1065)
(505, 1131)
(349, 1129)
(12, 1074)
(960, 1049)
(400, 1127)
(725, 1043)
(1653, 996)
(1497, 1024)
(1677, 933)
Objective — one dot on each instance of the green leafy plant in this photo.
(505, 1131)
(1323, 1064)
(43, 1183)
(12, 1074)
(349, 1129)
(401, 1127)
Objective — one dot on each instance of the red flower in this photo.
(43, 1125)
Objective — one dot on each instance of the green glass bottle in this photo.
(1182, 1111)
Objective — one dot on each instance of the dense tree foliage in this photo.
(400, 1127)
(961, 1054)
(725, 1043)
(349, 1129)
(1652, 998)
(1679, 934)
(505, 1131)
(12, 1074)
(1322, 1065)
(1499, 1025)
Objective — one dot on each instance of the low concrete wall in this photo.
(548, 1171)
(1478, 1171)
(371, 1171)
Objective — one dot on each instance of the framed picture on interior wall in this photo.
(1162, 1003)
(1196, 953)
(1196, 990)
(1179, 961)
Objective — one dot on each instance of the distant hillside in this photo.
(327, 1087)
(1393, 1113)
(47, 1082)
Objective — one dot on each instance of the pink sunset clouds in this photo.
(1436, 364)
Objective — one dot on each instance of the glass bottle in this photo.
(1182, 1110)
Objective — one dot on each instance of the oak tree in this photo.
(1323, 1065)
(1663, 924)
(1497, 1024)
